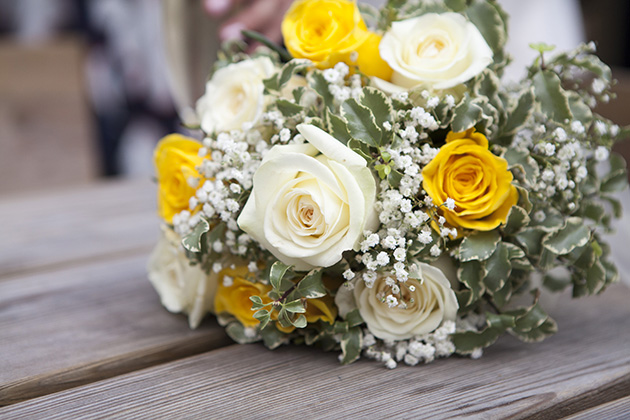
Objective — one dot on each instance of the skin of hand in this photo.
(264, 16)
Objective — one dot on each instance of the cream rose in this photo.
(182, 287)
(234, 95)
(433, 302)
(433, 51)
(310, 202)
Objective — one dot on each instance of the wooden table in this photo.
(83, 335)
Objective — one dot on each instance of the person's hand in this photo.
(264, 16)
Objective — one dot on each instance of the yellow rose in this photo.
(479, 182)
(234, 300)
(323, 309)
(175, 159)
(328, 31)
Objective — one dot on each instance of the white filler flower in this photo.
(310, 202)
(435, 51)
(234, 95)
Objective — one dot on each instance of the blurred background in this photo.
(84, 92)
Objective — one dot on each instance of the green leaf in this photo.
(236, 331)
(300, 322)
(617, 162)
(455, 5)
(583, 257)
(257, 302)
(381, 107)
(573, 234)
(520, 114)
(546, 329)
(319, 84)
(497, 269)
(533, 317)
(579, 109)
(277, 272)
(360, 148)
(353, 318)
(337, 127)
(521, 159)
(553, 221)
(394, 178)
(615, 204)
(514, 252)
(468, 341)
(488, 20)
(466, 114)
(311, 286)
(612, 274)
(256, 36)
(263, 316)
(292, 67)
(478, 246)
(523, 199)
(283, 318)
(595, 277)
(295, 307)
(470, 274)
(361, 123)
(272, 337)
(516, 220)
(530, 238)
(552, 98)
(340, 327)
(615, 181)
(351, 343)
(287, 108)
(502, 296)
(192, 241)
(593, 210)
(541, 47)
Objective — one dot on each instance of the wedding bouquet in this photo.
(375, 188)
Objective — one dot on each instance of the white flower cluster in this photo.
(425, 348)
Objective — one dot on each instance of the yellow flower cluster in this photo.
(479, 182)
(233, 299)
(176, 158)
(328, 32)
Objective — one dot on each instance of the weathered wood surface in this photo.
(74, 326)
(586, 364)
(614, 410)
(56, 228)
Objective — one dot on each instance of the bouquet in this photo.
(376, 189)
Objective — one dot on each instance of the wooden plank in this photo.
(52, 229)
(516, 380)
(618, 409)
(74, 326)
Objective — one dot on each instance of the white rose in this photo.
(182, 287)
(234, 95)
(433, 302)
(310, 202)
(433, 51)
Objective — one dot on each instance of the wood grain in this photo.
(512, 380)
(82, 324)
(618, 409)
(60, 227)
